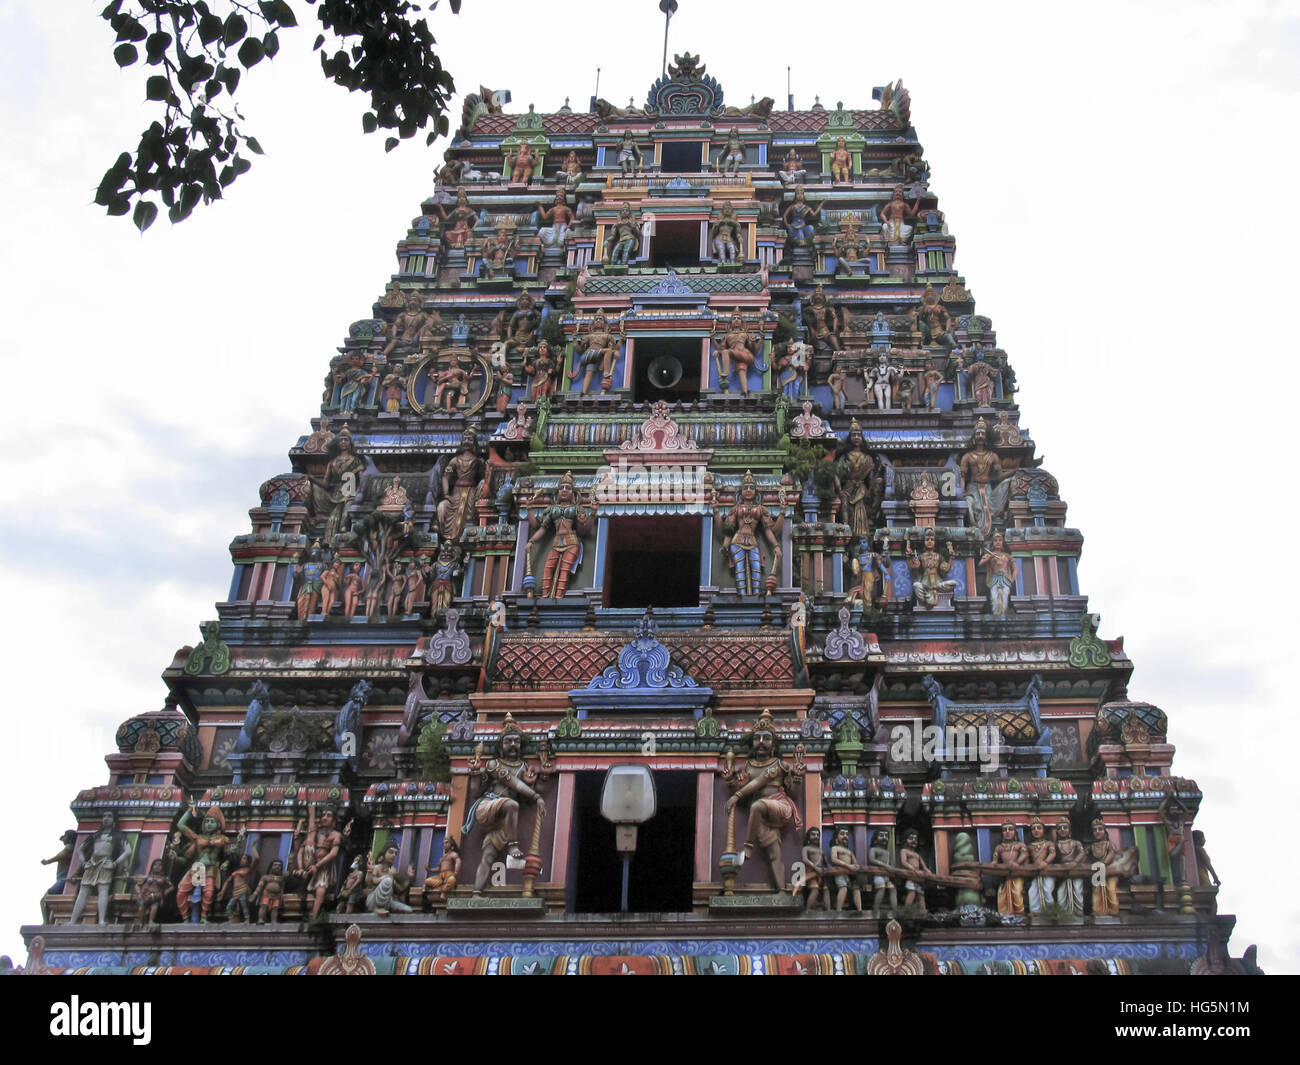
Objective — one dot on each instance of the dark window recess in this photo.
(661, 871)
(681, 157)
(1028, 577)
(675, 244)
(1063, 576)
(653, 561)
(666, 368)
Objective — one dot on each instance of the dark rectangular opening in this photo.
(675, 245)
(681, 157)
(666, 368)
(653, 560)
(661, 872)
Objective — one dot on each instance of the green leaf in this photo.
(156, 88)
(145, 213)
(209, 28)
(251, 52)
(234, 29)
(156, 46)
(125, 54)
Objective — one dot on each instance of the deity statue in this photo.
(522, 163)
(797, 359)
(570, 522)
(822, 318)
(629, 155)
(443, 879)
(982, 378)
(910, 860)
(929, 570)
(331, 494)
(415, 586)
(571, 171)
(597, 350)
(880, 856)
(835, 379)
(800, 218)
(986, 490)
(793, 172)
(496, 251)
(507, 780)
(931, 379)
(385, 885)
(560, 217)
(396, 588)
(851, 247)
(353, 382)
(412, 326)
(353, 585)
(1105, 896)
(392, 388)
(103, 855)
(1206, 877)
(206, 849)
(376, 584)
(841, 163)
(844, 871)
(737, 346)
(269, 894)
(61, 861)
(317, 855)
(238, 887)
(543, 368)
(312, 572)
(1011, 852)
(623, 238)
(881, 381)
(732, 157)
(1069, 851)
(445, 571)
(813, 887)
(773, 787)
(521, 327)
(1173, 814)
(462, 219)
(742, 525)
(860, 482)
(893, 216)
(1001, 570)
(462, 483)
(150, 892)
(1042, 851)
(451, 384)
(725, 235)
(933, 321)
(871, 569)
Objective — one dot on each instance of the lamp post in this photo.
(627, 798)
(669, 8)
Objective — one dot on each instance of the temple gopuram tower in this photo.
(669, 544)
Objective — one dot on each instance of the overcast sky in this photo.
(1119, 178)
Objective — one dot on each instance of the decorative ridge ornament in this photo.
(685, 90)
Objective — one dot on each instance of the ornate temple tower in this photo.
(668, 541)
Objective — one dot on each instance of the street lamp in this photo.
(669, 8)
(627, 798)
